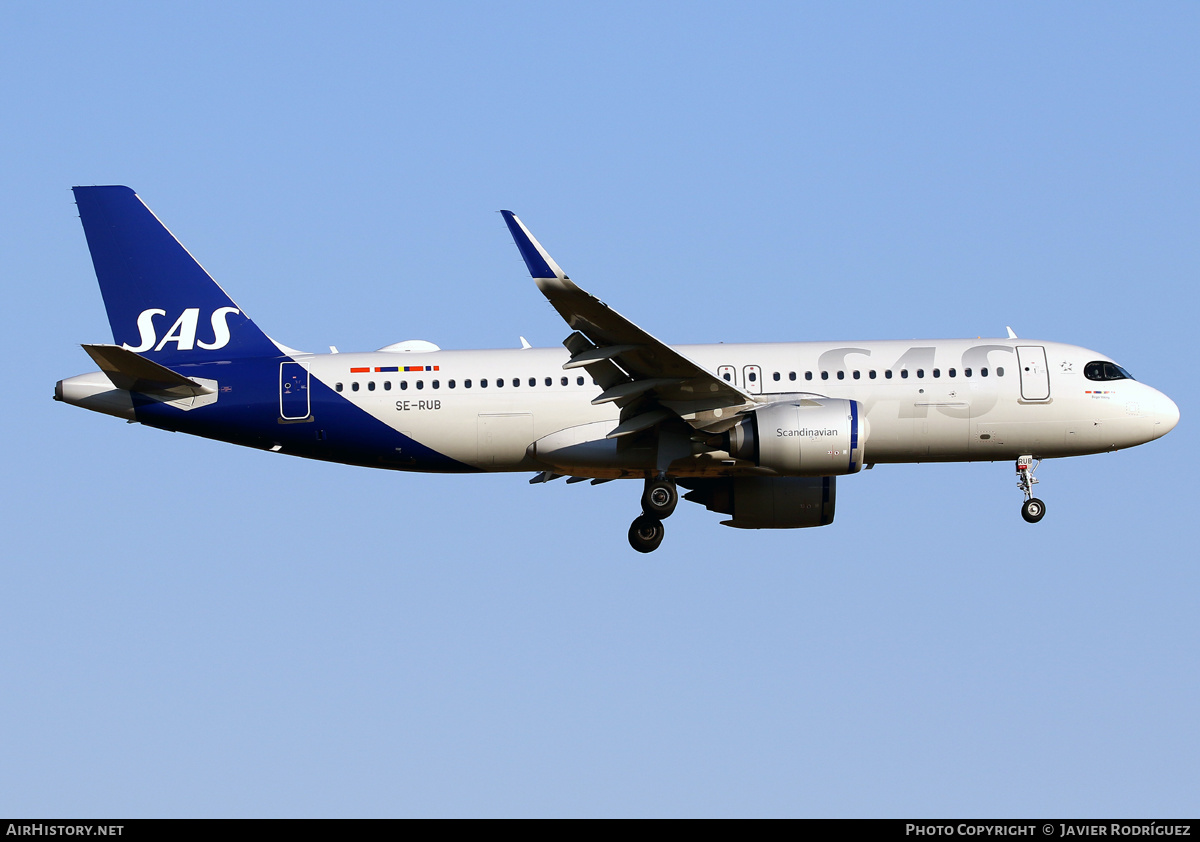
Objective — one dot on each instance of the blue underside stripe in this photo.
(336, 430)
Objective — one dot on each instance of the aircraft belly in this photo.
(503, 438)
(492, 434)
(942, 432)
(891, 432)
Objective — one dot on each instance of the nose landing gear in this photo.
(1032, 509)
(658, 501)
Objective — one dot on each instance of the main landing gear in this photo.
(658, 501)
(1032, 509)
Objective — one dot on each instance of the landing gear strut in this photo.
(658, 501)
(1032, 509)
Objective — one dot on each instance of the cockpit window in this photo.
(1100, 370)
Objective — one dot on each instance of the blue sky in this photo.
(190, 628)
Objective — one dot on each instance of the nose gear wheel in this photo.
(1033, 510)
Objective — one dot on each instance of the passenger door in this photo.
(293, 391)
(1035, 374)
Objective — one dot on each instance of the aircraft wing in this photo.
(648, 379)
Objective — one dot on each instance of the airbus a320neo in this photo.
(759, 432)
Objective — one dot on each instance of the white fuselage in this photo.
(925, 400)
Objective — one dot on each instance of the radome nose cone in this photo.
(1173, 416)
(1166, 415)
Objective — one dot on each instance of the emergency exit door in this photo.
(752, 378)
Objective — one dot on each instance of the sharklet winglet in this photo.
(541, 265)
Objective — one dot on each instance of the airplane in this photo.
(759, 432)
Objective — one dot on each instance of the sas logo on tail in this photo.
(183, 332)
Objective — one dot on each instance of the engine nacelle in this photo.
(768, 502)
(803, 437)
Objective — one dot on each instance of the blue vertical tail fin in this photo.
(160, 301)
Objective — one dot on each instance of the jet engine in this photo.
(767, 502)
(802, 437)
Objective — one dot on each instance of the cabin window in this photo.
(354, 386)
(499, 382)
(887, 375)
(436, 384)
(483, 383)
(983, 372)
(824, 375)
(937, 372)
(420, 384)
(387, 385)
(403, 384)
(467, 384)
(999, 371)
(370, 385)
(579, 380)
(841, 375)
(966, 372)
(753, 376)
(791, 375)
(871, 374)
(904, 374)
(857, 375)
(728, 377)
(953, 372)
(775, 377)
(549, 381)
(450, 384)
(808, 375)
(564, 381)
(338, 387)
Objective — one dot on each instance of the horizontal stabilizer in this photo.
(134, 373)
